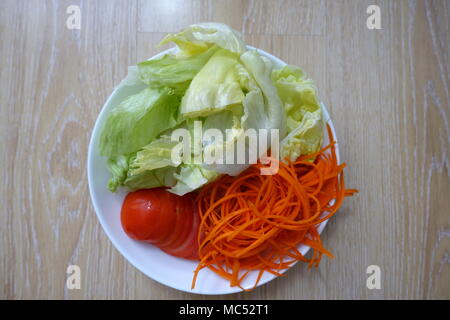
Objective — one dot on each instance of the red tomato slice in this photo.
(190, 246)
(166, 218)
(147, 214)
(136, 216)
(183, 223)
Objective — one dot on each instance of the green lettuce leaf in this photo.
(151, 179)
(192, 177)
(118, 167)
(122, 174)
(157, 154)
(138, 120)
(199, 37)
(132, 78)
(304, 114)
(261, 69)
(306, 138)
(214, 88)
(261, 108)
(234, 94)
(172, 71)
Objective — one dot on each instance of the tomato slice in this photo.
(183, 223)
(190, 246)
(136, 215)
(166, 217)
(147, 214)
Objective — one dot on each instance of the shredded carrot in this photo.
(256, 222)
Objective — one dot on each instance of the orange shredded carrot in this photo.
(256, 222)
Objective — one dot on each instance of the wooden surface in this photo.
(387, 90)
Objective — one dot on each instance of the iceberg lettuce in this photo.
(213, 81)
(191, 177)
(214, 88)
(138, 120)
(199, 37)
(304, 114)
(172, 71)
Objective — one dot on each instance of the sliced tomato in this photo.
(183, 224)
(190, 246)
(166, 217)
(147, 214)
(137, 215)
(163, 219)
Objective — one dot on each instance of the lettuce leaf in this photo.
(261, 108)
(234, 93)
(118, 167)
(306, 138)
(304, 114)
(214, 88)
(157, 154)
(138, 120)
(151, 179)
(123, 174)
(192, 177)
(199, 37)
(172, 71)
(261, 69)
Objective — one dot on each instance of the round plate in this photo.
(168, 270)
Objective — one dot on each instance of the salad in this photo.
(222, 156)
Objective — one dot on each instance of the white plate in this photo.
(168, 270)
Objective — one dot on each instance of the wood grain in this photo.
(249, 17)
(387, 90)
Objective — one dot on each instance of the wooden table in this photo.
(387, 90)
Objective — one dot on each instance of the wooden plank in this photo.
(252, 17)
(55, 84)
